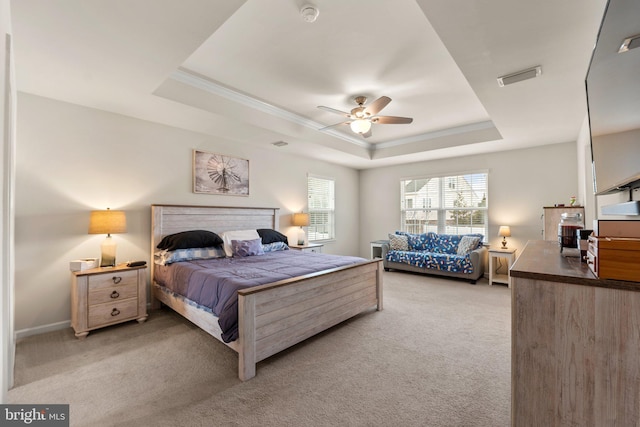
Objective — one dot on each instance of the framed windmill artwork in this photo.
(219, 174)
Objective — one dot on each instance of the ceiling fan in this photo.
(361, 117)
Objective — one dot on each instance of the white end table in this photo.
(499, 273)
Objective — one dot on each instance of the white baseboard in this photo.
(23, 333)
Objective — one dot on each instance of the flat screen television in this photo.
(613, 99)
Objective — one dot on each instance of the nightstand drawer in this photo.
(112, 293)
(117, 278)
(103, 314)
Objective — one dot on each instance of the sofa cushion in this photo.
(398, 242)
(433, 261)
(467, 244)
(446, 244)
(419, 242)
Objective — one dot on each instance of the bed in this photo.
(272, 316)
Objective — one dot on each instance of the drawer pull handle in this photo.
(116, 279)
(115, 294)
(115, 312)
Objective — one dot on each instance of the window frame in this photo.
(316, 213)
(438, 218)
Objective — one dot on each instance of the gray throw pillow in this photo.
(398, 242)
(467, 244)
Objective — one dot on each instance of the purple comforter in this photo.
(214, 283)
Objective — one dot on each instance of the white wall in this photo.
(585, 174)
(521, 182)
(72, 159)
(7, 157)
(593, 204)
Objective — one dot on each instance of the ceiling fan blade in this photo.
(334, 125)
(391, 120)
(333, 110)
(377, 105)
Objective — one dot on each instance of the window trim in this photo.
(441, 222)
(331, 211)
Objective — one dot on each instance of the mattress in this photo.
(213, 283)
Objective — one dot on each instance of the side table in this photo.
(499, 273)
(376, 248)
(309, 247)
(105, 296)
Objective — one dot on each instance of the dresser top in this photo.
(541, 260)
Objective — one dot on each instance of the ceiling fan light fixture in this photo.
(360, 126)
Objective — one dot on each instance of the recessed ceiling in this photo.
(255, 71)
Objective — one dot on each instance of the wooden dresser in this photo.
(105, 296)
(575, 343)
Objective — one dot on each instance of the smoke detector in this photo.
(309, 13)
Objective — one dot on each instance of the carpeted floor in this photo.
(437, 355)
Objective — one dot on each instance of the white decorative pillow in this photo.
(467, 244)
(228, 236)
(398, 242)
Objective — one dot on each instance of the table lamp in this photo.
(301, 220)
(504, 232)
(107, 222)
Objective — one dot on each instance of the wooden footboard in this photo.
(277, 316)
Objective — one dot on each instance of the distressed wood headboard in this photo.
(169, 219)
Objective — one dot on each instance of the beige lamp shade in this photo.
(300, 219)
(504, 231)
(107, 222)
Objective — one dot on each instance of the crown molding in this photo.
(198, 81)
(188, 77)
(456, 130)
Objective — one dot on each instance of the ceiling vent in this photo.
(630, 43)
(519, 76)
(280, 143)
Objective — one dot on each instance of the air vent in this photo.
(630, 43)
(519, 76)
(280, 144)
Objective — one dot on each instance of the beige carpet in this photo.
(438, 355)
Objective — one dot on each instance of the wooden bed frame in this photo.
(274, 316)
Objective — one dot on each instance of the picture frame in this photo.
(215, 173)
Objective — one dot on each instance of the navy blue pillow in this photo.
(190, 239)
(271, 236)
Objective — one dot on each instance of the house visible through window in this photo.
(321, 193)
(445, 204)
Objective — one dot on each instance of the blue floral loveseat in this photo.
(452, 255)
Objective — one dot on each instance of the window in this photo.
(445, 204)
(321, 193)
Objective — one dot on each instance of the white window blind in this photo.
(445, 204)
(321, 194)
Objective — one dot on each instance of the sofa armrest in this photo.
(478, 258)
(384, 250)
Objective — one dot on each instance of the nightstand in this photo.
(376, 248)
(309, 247)
(509, 255)
(105, 296)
